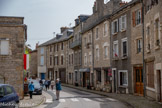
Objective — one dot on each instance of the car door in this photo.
(9, 94)
(2, 94)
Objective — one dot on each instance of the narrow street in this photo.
(72, 98)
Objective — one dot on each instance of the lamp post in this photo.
(143, 39)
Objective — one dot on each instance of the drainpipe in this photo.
(81, 27)
(93, 56)
(144, 73)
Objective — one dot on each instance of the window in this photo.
(96, 33)
(85, 59)
(56, 60)
(115, 49)
(69, 59)
(85, 41)
(123, 77)
(72, 58)
(80, 58)
(105, 29)
(90, 59)
(148, 38)
(62, 60)
(57, 47)
(123, 23)
(50, 48)
(138, 17)
(62, 46)
(105, 51)
(90, 38)
(98, 73)
(97, 53)
(8, 90)
(124, 47)
(150, 74)
(157, 32)
(42, 50)
(139, 45)
(4, 47)
(115, 26)
(50, 60)
(70, 76)
(42, 60)
(2, 91)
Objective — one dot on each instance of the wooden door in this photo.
(160, 84)
(139, 81)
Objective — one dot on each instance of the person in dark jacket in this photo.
(46, 84)
(31, 89)
(58, 88)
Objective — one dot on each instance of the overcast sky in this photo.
(44, 17)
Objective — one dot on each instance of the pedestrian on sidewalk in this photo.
(58, 88)
(49, 83)
(31, 89)
(46, 84)
(52, 84)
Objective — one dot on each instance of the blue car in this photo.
(8, 97)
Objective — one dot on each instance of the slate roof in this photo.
(67, 34)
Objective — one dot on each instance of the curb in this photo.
(42, 101)
(92, 91)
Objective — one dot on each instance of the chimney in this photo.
(63, 29)
(123, 3)
(36, 46)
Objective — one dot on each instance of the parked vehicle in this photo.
(8, 97)
(37, 87)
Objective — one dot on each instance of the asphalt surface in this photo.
(72, 98)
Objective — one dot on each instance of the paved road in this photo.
(72, 98)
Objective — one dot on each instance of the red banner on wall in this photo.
(24, 61)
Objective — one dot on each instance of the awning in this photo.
(84, 70)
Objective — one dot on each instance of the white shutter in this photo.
(125, 17)
(4, 47)
(112, 27)
(120, 23)
(117, 25)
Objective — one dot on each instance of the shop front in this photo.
(85, 77)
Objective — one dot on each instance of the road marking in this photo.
(98, 99)
(74, 100)
(86, 99)
(61, 100)
(49, 101)
(111, 99)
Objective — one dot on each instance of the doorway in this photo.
(159, 84)
(139, 81)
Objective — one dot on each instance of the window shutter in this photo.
(120, 23)
(112, 27)
(125, 17)
(133, 19)
(117, 25)
(141, 15)
(4, 47)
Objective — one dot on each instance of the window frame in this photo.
(119, 82)
(114, 51)
(113, 27)
(122, 50)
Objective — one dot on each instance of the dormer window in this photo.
(106, 1)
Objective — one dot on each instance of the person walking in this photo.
(46, 84)
(58, 88)
(52, 84)
(49, 83)
(31, 89)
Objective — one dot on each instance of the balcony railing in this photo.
(75, 44)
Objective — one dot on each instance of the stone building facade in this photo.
(95, 45)
(153, 48)
(33, 63)
(137, 48)
(41, 61)
(13, 35)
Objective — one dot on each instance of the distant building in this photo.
(13, 35)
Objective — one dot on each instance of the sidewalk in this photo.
(30, 103)
(130, 100)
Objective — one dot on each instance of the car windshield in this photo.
(35, 83)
